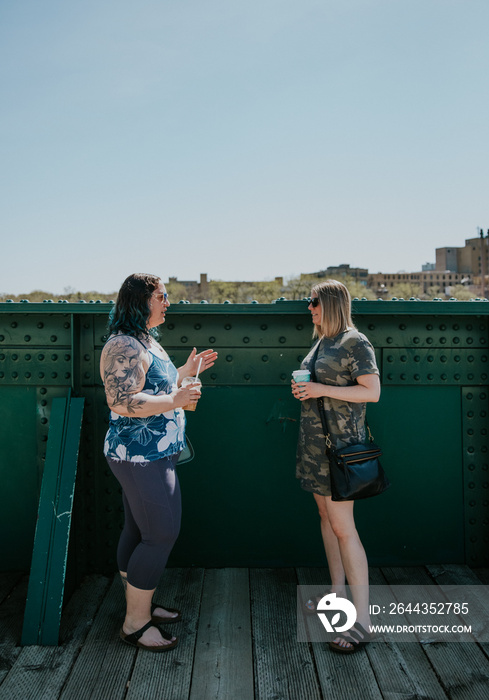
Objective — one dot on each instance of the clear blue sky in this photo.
(242, 139)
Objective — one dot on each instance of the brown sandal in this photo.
(133, 639)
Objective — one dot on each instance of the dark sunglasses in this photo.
(314, 302)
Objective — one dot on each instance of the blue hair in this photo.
(131, 312)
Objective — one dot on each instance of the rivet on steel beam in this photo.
(213, 375)
(389, 340)
(44, 421)
(53, 338)
(470, 341)
(229, 358)
(2, 338)
(417, 358)
(416, 340)
(66, 324)
(2, 357)
(482, 396)
(483, 414)
(430, 358)
(246, 339)
(482, 341)
(455, 326)
(227, 327)
(456, 358)
(2, 375)
(264, 327)
(212, 340)
(197, 326)
(87, 375)
(443, 341)
(390, 376)
(67, 375)
(444, 376)
(470, 376)
(430, 377)
(443, 358)
(27, 375)
(13, 324)
(264, 358)
(40, 375)
(184, 339)
(15, 356)
(283, 376)
(282, 339)
(371, 327)
(54, 357)
(54, 375)
(456, 377)
(27, 338)
(403, 377)
(86, 325)
(44, 402)
(429, 327)
(43, 390)
(402, 326)
(403, 358)
(299, 327)
(247, 376)
(417, 377)
(27, 357)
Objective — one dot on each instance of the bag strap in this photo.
(320, 401)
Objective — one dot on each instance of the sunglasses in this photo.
(314, 302)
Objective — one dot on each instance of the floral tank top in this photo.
(134, 439)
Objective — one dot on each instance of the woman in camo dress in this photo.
(347, 378)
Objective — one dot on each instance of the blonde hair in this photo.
(335, 303)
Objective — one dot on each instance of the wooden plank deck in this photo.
(237, 641)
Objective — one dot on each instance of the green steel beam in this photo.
(48, 567)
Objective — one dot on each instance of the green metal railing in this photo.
(241, 502)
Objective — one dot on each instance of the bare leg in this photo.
(353, 557)
(158, 612)
(331, 547)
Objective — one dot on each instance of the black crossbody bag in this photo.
(355, 470)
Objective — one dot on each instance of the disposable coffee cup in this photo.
(186, 382)
(301, 375)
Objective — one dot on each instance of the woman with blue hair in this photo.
(145, 437)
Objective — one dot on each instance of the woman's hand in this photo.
(190, 368)
(307, 390)
(183, 397)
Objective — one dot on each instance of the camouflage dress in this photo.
(340, 361)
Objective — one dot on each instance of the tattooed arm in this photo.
(123, 368)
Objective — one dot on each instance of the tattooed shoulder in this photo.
(124, 363)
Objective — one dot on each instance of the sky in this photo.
(246, 140)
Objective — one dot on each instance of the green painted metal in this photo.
(48, 568)
(242, 504)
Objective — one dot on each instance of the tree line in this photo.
(219, 291)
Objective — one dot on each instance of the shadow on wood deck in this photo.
(237, 641)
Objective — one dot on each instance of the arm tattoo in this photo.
(123, 373)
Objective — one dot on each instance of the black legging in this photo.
(152, 508)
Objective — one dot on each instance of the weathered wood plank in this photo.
(284, 668)
(402, 669)
(40, 672)
(462, 668)
(341, 676)
(103, 667)
(11, 614)
(168, 675)
(223, 664)
(482, 574)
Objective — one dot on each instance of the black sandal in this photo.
(133, 639)
(350, 637)
(157, 620)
